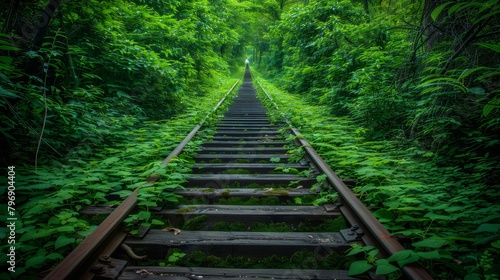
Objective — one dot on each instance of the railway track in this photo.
(245, 165)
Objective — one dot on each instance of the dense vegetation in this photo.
(408, 94)
(414, 70)
(444, 217)
(100, 64)
(93, 98)
(422, 74)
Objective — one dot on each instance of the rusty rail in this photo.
(354, 210)
(78, 263)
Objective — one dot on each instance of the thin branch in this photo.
(471, 34)
(46, 70)
(44, 122)
(488, 34)
(26, 125)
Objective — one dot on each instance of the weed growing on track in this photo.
(302, 259)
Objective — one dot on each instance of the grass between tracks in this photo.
(326, 225)
(448, 220)
(303, 259)
(48, 199)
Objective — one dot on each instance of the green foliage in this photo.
(327, 225)
(172, 259)
(107, 66)
(195, 223)
(97, 90)
(423, 75)
(390, 266)
(325, 197)
(303, 259)
(341, 56)
(447, 212)
(48, 199)
(434, 86)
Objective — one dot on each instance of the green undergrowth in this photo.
(245, 171)
(450, 217)
(302, 259)
(325, 225)
(48, 198)
(267, 200)
(237, 171)
(242, 185)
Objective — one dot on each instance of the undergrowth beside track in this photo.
(447, 218)
(48, 199)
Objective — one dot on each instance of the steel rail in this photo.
(77, 264)
(360, 212)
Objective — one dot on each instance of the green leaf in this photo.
(473, 276)
(63, 241)
(8, 94)
(411, 259)
(110, 160)
(494, 47)
(144, 215)
(384, 267)
(373, 252)
(147, 203)
(55, 256)
(35, 262)
(488, 108)
(5, 47)
(359, 267)
(355, 250)
(274, 159)
(383, 215)
(65, 229)
(64, 216)
(410, 232)
(437, 11)
(467, 72)
(476, 90)
(487, 239)
(445, 254)
(456, 8)
(431, 242)
(434, 216)
(429, 255)
(87, 231)
(32, 234)
(157, 222)
(488, 228)
(123, 193)
(401, 255)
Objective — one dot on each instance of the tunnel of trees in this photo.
(75, 75)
